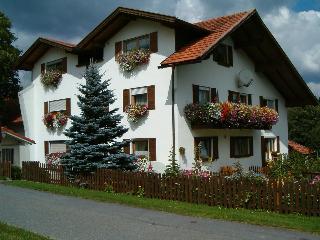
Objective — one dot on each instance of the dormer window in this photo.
(223, 55)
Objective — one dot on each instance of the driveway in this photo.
(62, 217)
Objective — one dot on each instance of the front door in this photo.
(7, 155)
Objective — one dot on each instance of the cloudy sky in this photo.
(294, 23)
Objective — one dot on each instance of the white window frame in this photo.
(138, 91)
(57, 142)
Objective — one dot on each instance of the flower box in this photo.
(54, 120)
(230, 115)
(135, 112)
(131, 59)
(51, 78)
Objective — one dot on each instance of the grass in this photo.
(13, 233)
(258, 217)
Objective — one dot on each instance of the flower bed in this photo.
(231, 115)
(135, 112)
(51, 78)
(55, 120)
(131, 59)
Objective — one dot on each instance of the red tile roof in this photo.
(59, 42)
(219, 27)
(16, 135)
(300, 148)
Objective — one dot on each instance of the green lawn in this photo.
(13, 233)
(290, 221)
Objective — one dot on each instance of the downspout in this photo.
(172, 113)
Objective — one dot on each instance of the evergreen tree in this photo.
(9, 81)
(93, 135)
(173, 168)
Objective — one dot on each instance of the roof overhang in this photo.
(6, 131)
(37, 49)
(122, 16)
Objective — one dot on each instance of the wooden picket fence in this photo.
(5, 169)
(278, 196)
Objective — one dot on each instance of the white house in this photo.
(232, 58)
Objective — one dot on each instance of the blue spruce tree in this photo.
(94, 135)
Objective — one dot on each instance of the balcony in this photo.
(229, 115)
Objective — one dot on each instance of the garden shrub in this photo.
(16, 173)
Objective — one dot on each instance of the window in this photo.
(96, 55)
(236, 97)
(208, 147)
(241, 147)
(269, 102)
(57, 146)
(139, 96)
(142, 42)
(58, 105)
(223, 55)
(202, 94)
(7, 155)
(140, 148)
(54, 65)
(270, 147)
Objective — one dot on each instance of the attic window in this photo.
(142, 42)
(223, 55)
(54, 65)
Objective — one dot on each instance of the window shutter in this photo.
(151, 97)
(195, 93)
(45, 107)
(230, 56)
(262, 102)
(278, 144)
(64, 65)
(46, 147)
(214, 98)
(152, 149)
(43, 68)
(276, 103)
(251, 145)
(68, 106)
(263, 151)
(215, 148)
(232, 147)
(230, 93)
(126, 148)
(126, 98)
(154, 42)
(249, 99)
(118, 48)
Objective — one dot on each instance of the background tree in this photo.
(94, 134)
(9, 80)
(304, 126)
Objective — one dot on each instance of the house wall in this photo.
(209, 73)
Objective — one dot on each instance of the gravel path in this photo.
(62, 217)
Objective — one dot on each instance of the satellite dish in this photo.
(245, 78)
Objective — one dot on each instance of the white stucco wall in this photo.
(209, 73)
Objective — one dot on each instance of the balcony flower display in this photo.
(55, 120)
(51, 78)
(131, 59)
(231, 115)
(135, 112)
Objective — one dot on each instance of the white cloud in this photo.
(298, 33)
(315, 88)
(190, 10)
